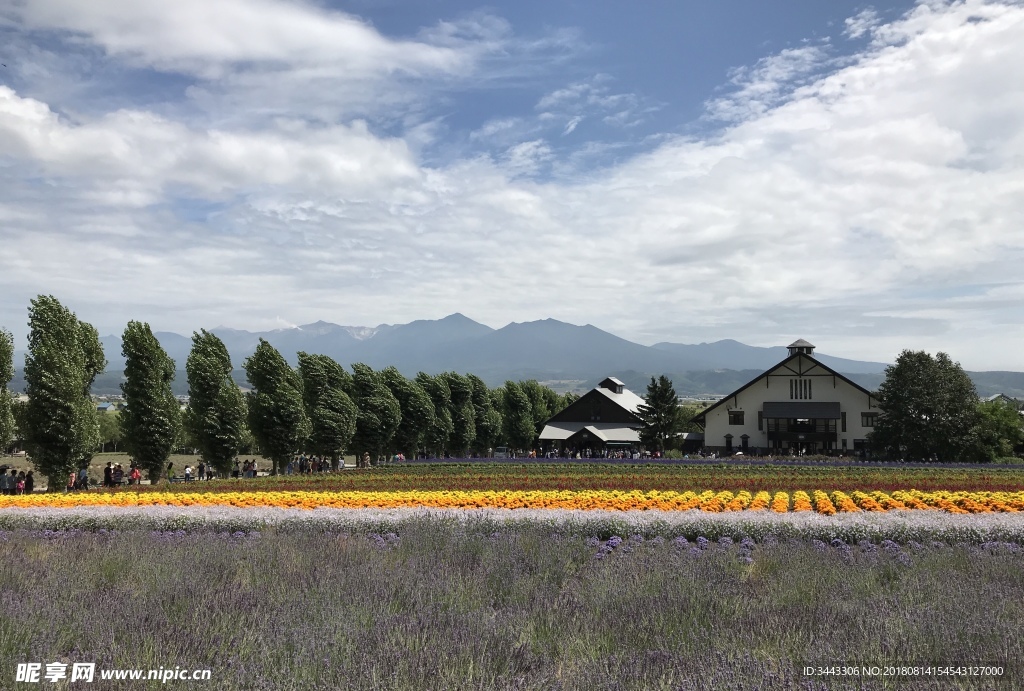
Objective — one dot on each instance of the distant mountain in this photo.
(544, 350)
(730, 354)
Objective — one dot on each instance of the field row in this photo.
(817, 501)
(472, 478)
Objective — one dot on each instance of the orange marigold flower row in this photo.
(818, 501)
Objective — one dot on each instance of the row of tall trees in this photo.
(318, 407)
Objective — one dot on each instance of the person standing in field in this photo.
(188, 473)
(30, 483)
(108, 475)
(202, 471)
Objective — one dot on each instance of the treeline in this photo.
(318, 408)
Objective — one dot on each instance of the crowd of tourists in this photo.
(16, 482)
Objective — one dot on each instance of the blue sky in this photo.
(668, 171)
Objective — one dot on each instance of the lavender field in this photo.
(458, 608)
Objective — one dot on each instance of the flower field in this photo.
(711, 501)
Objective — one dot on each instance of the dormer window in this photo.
(612, 384)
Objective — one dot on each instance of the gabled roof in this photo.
(800, 343)
(702, 416)
(627, 399)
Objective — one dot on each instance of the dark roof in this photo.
(702, 415)
(799, 410)
(800, 343)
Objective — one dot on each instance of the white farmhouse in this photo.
(799, 405)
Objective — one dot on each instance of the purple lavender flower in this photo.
(725, 540)
(681, 542)
(819, 545)
(703, 542)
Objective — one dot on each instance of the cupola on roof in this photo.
(801, 347)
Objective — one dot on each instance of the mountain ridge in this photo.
(545, 349)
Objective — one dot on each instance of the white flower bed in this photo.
(900, 526)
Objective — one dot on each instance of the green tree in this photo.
(379, 412)
(6, 402)
(1000, 429)
(460, 407)
(332, 414)
(929, 409)
(59, 420)
(568, 398)
(277, 417)
(486, 418)
(660, 413)
(543, 403)
(216, 408)
(151, 420)
(517, 416)
(442, 428)
(686, 414)
(417, 411)
(109, 430)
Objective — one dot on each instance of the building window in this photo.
(868, 419)
(735, 417)
(728, 443)
(842, 417)
(760, 421)
(800, 389)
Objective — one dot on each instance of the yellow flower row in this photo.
(615, 500)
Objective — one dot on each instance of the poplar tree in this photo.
(487, 419)
(151, 420)
(379, 412)
(442, 428)
(6, 403)
(277, 417)
(417, 411)
(544, 402)
(64, 357)
(216, 408)
(331, 412)
(517, 415)
(460, 408)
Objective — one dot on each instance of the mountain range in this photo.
(548, 350)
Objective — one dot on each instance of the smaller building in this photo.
(601, 421)
(1005, 400)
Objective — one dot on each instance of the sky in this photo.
(670, 170)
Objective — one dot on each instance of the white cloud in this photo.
(864, 22)
(845, 202)
(209, 39)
